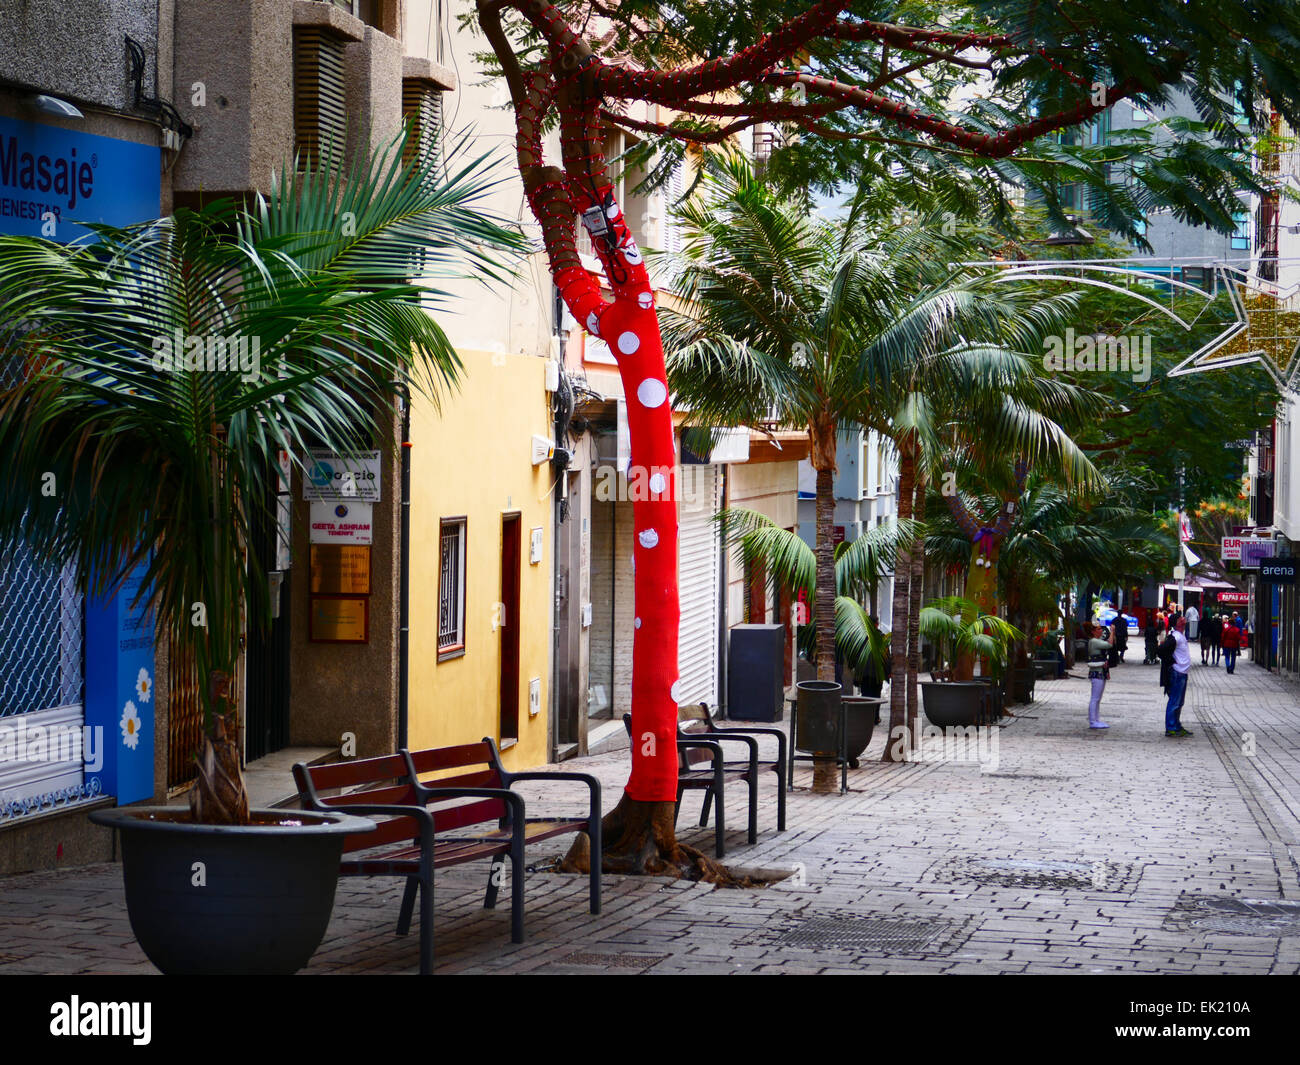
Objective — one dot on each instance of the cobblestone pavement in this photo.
(1068, 851)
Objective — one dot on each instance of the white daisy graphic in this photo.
(144, 686)
(130, 725)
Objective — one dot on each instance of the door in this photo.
(698, 574)
(511, 559)
(266, 721)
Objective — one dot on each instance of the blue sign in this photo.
(52, 178)
(119, 692)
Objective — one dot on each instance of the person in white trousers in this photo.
(1098, 671)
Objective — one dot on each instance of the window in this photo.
(319, 109)
(422, 111)
(451, 588)
(1241, 234)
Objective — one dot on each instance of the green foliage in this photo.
(957, 629)
(163, 465)
(1234, 58)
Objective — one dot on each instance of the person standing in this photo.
(1099, 648)
(1216, 645)
(1193, 622)
(1149, 634)
(1119, 630)
(1180, 664)
(1231, 641)
(1206, 641)
(1165, 655)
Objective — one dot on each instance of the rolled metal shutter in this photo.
(697, 575)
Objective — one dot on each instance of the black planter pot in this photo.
(953, 703)
(1022, 683)
(819, 717)
(861, 723)
(223, 900)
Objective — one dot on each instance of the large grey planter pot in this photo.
(819, 717)
(951, 704)
(223, 900)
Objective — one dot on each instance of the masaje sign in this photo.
(51, 179)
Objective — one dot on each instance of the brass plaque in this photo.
(339, 619)
(340, 569)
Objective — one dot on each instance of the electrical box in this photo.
(586, 615)
(535, 546)
(553, 366)
(534, 696)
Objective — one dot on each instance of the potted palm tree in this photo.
(860, 646)
(163, 457)
(960, 631)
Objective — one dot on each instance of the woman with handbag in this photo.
(1099, 651)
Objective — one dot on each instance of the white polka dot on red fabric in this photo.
(645, 299)
(636, 622)
(651, 392)
(593, 324)
(628, 342)
(648, 538)
(658, 483)
(675, 692)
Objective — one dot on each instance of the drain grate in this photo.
(1242, 917)
(615, 961)
(1027, 776)
(859, 933)
(1081, 874)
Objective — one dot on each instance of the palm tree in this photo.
(822, 324)
(1060, 538)
(791, 566)
(162, 444)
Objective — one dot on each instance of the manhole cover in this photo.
(616, 961)
(1242, 917)
(1081, 874)
(857, 933)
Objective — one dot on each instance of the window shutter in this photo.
(319, 106)
(422, 111)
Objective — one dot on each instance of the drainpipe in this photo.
(404, 609)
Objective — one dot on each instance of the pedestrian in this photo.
(1207, 626)
(1099, 650)
(1193, 623)
(1149, 634)
(1216, 637)
(1120, 631)
(1230, 638)
(1165, 654)
(1180, 664)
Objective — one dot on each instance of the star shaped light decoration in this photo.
(1265, 329)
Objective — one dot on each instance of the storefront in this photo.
(76, 676)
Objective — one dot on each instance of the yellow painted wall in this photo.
(473, 459)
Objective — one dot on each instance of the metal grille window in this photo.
(451, 588)
(40, 634)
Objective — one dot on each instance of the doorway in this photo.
(511, 560)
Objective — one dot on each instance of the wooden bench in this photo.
(428, 826)
(699, 741)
